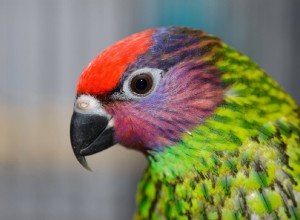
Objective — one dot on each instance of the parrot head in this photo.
(221, 136)
(146, 92)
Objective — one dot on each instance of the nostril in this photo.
(82, 105)
(87, 104)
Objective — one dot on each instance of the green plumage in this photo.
(243, 162)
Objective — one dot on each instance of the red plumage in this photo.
(104, 72)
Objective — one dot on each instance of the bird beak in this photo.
(90, 133)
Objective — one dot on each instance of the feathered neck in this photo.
(224, 162)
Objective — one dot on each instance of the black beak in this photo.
(90, 134)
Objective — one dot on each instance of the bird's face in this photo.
(146, 92)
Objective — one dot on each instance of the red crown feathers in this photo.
(103, 73)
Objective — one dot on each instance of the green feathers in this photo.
(222, 138)
(243, 162)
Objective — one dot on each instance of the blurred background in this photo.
(45, 44)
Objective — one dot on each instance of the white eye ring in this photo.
(152, 74)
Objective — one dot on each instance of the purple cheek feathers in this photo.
(187, 95)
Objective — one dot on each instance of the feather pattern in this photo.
(222, 138)
(242, 162)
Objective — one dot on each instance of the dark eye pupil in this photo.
(141, 84)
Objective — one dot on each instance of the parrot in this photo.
(221, 137)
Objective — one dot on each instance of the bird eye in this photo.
(142, 82)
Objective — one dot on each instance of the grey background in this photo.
(45, 44)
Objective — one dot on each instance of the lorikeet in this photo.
(221, 137)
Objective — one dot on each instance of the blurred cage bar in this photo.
(44, 45)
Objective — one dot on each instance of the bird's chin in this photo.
(90, 134)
